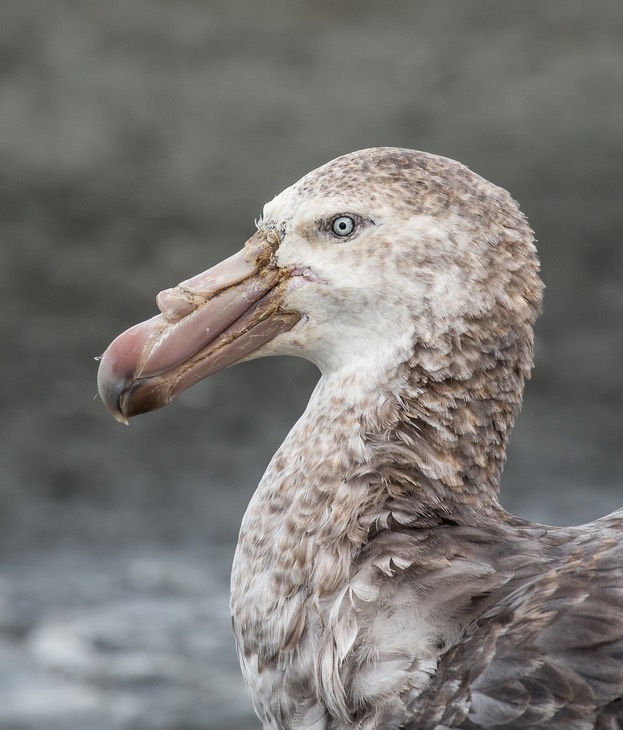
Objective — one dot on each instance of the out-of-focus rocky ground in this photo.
(138, 140)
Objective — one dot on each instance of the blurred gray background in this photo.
(138, 141)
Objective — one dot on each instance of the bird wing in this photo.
(548, 655)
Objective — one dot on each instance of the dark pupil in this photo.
(343, 225)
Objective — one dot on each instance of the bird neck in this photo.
(440, 455)
(427, 437)
(417, 444)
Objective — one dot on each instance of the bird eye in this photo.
(343, 225)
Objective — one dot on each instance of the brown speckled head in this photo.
(434, 247)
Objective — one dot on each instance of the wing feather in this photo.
(548, 655)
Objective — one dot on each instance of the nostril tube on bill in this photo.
(176, 303)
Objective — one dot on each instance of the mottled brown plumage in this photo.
(378, 584)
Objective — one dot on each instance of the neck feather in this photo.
(417, 444)
(439, 446)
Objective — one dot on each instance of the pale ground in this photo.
(137, 143)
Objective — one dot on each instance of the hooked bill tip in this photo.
(111, 384)
(120, 418)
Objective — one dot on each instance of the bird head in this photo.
(374, 255)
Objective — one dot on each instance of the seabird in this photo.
(378, 584)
